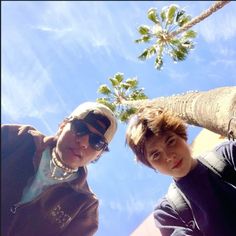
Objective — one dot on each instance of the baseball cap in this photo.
(84, 109)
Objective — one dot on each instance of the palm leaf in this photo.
(171, 13)
(152, 15)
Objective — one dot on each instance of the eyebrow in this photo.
(168, 137)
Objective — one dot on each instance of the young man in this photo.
(159, 141)
(44, 187)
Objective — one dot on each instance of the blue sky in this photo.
(56, 54)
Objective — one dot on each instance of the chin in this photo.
(71, 162)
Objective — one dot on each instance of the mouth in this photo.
(76, 153)
(177, 164)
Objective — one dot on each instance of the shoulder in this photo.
(226, 146)
(227, 150)
(164, 209)
(17, 129)
(13, 133)
(168, 220)
(171, 221)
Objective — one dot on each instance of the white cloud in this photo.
(80, 26)
(225, 51)
(60, 32)
(31, 90)
(26, 82)
(131, 206)
(218, 27)
(177, 76)
(224, 62)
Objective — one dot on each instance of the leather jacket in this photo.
(63, 209)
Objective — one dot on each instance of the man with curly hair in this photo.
(44, 189)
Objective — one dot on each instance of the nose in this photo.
(170, 156)
(83, 141)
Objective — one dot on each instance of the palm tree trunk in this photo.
(213, 8)
(211, 109)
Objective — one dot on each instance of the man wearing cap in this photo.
(44, 187)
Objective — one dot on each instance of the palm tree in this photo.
(211, 109)
(120, 92)
(170, 32)
(214, 109)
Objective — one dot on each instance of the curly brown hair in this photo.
(149, 121)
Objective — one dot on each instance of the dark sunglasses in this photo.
(96, 141)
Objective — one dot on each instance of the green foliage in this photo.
(119, 77)
(158, 62)
(133, 83)
(147, 53)
(183, 20)
(171, 10)
(152, 15)
(120, 92)
(126, 113)
(144, 39)
(161, 35)
(144, 54)
(103, 89)
(105, 102)
(163, 15)
(190, 34)
(180, 14)
(143, 29)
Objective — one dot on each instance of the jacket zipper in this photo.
(14, 208)
(195, 220)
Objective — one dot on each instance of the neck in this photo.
(194, 163)
(59, 171)
(59, 163)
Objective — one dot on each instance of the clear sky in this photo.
(56, 54)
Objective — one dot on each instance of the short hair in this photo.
(149, 121)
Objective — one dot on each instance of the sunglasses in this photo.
(96, 141)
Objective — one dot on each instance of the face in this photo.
(169, 154)
(75, 150)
